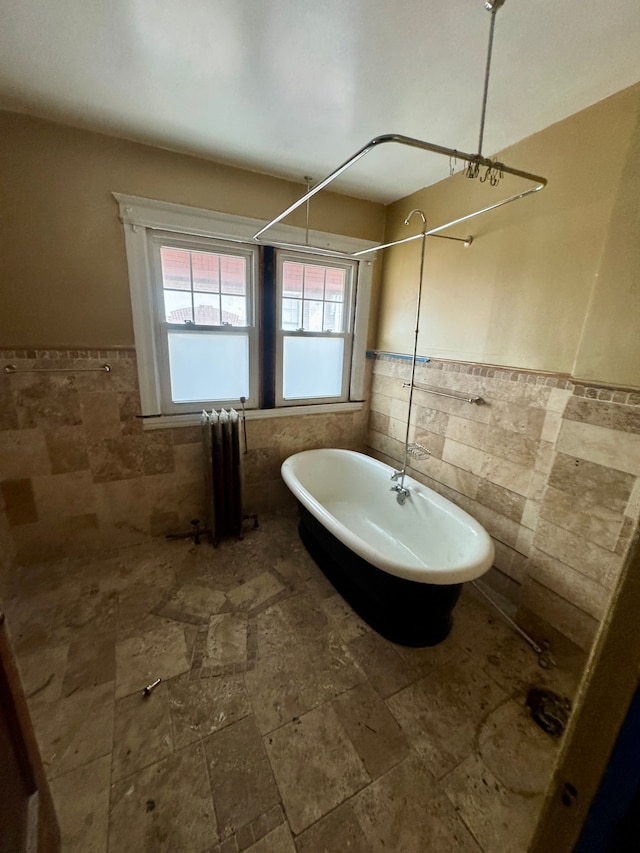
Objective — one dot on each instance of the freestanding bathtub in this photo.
(401, 567)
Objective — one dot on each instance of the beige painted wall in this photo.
(62, 258)
(552, 282)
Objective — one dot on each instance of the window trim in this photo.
(141, 216)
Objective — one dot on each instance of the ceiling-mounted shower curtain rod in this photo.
(476, 160)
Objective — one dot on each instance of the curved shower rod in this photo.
(478, 159)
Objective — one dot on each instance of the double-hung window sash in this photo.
(314, 328)
(206, 319)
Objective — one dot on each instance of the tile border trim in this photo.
(579, 388)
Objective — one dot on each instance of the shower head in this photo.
(493, 5)
(415, 210)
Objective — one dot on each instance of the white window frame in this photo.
(162, 328)
(351, 269)
(141, 217)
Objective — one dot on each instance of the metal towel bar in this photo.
(479, 401)
(11, 368)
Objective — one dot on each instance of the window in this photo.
(205, 311)
(314, 328)
(218, 317)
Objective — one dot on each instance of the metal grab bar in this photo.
(11, 368)
(479, 401)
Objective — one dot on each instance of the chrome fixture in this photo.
(418, 451)
(479, 401)
(478, 166)
(11, 368)
(545, 658)
(539, 183)
(401, 493)
(147, 690)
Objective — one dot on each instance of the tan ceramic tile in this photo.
(574, 551)
(499, 819)
(530, 514)
(91, 660)
(430, 420)
(343, 619)
(316, 766)
(508, 474)
(75, 730)
(501, 500)
(551, 427)
(339, 830)
(113, 459)
(188, 462)
(459, 480)
(523, 419)
(438, 723)
(633, 506)
(278, 841)
(495, 523)
(100, 414)
(404, 810)
(159, 653)
(518, 753)
(64, 495)
(470, 683)
(604, 446)
(275, 687)
(332, 670)
(558, 399)
(375, 734)
(385, 669)
(463, 456)
(23, 453)
(120, 505)
(198, 601)
(81, 800)
(473, 433)
(157, 452)
(596, 522)
(611, 416)
(255, 592)
(67, 448)
(42, 673)
(45, 400)
(201, 707)
(141, 731)
(166, 806)
(241, 778)
(226, 640)
(576, 588)
(565, 617)
(593, 484)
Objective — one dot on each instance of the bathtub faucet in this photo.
(402, 493)
(397, 474)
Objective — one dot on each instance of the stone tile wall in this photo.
(550, 467)
(78, 474)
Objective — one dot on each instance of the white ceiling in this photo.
(294, 87)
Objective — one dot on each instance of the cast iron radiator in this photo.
(223, 473)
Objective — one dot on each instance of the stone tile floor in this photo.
(282, 722)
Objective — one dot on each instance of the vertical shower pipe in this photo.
(415, 340)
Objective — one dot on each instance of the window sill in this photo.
(172, 421)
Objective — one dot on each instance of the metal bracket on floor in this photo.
(545, 659)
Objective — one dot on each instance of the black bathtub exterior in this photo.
(403, 611)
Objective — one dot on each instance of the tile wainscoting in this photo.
(549, 466)
(78, 474)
